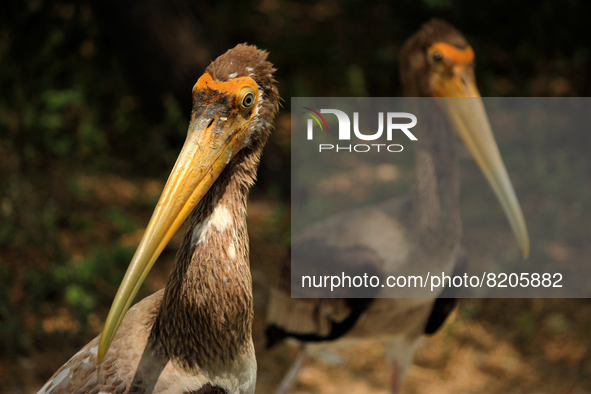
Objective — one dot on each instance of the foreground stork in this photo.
(195, 335)
(423, 230)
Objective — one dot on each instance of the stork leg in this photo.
(396, 381)
(400, 352)
(289, 379)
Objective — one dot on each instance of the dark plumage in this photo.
(195, 335)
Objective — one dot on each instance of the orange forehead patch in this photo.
(232, 86)
(456, 55)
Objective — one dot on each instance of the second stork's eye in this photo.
(437, 56)
(248, 100)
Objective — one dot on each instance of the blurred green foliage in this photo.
(65, 110)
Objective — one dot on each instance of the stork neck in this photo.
(436, 188)
(205, 319)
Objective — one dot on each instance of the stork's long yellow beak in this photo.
(460, 100)
(215, 135)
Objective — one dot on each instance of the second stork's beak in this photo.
(215, 135)
(461, 101)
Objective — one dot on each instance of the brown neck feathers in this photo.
(205, 319)
(437, 180)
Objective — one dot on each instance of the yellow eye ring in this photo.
(248, 100)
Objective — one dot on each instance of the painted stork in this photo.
(421, 230)
(195, 335)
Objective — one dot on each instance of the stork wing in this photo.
(126, 367)
(318, 319)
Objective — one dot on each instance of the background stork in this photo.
(423, 230)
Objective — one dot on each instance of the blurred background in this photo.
(94, 105)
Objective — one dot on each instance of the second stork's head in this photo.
(437, 61)
(234, 104)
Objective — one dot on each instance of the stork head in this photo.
(234, 104)
(438, 62)
(239, 82)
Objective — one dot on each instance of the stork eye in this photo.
(437, 56)
(248, 100)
